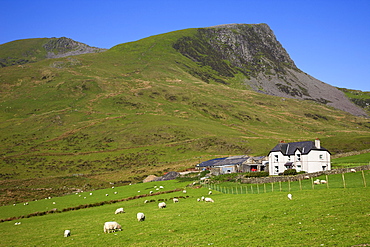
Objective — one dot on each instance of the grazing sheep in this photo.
(119, 211)
(67, 233)
(353, 170)
(175, 200)
(202, 198)
(210, 192)
(290, 196)
(146, 201)
(306, 177)
(115, 192)
(140, 217)
(207, 199)
(17, 223)
(161, 187)
(198, 200)
(106, 194)
(111, 226)
(323, 181)
(150, 192)
(184, 191)
(316, 182)
(162, 205)
(90, 194)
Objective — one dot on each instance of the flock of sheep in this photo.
(113, 226)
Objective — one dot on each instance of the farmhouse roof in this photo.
(289, 148)
(234, 160)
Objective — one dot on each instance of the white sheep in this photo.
(146, 201)
(202, 198)
(111, 226)
(184, 191)
(207, 199)
(106, 194)
(175, 200)
(161, 187)
(210, 192)
(323, 181)
(306, 177)
(140, 217)
(119, 211)
(317, 181)
(353, 170)
(198, 199)
(67, 233)
(150, 192)
(290, 197)
(162, 205)
(90, 194)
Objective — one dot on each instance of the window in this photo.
(276, 169)
(298, 157)
(276, 158)
(321, 157)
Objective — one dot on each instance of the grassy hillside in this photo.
(134, 110)
(336, 216)
(360, 98)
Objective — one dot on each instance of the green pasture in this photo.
(322, 216)
(312, 218)
(337, 181)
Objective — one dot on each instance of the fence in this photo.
(326, 181)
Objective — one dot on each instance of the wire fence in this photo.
(343, 180)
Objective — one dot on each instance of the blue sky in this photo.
(328, 39)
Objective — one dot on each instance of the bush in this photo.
(256, 174)
(290, 172)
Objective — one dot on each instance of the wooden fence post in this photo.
(264, 187)
(289, 185)
(258, 189)
(327, 181)
(313, 186)
(363, 177)
(280, 185)
(300, 184)
(344, 181)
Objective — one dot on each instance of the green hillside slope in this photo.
(137, 110)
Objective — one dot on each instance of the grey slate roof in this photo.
(290, 148)
(224, 161)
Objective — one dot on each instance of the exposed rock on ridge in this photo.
(64, 47)
(253, 51)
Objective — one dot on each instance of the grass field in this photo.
(315, 217)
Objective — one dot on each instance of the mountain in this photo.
(159, 104)
(32, 50)
(265, 66)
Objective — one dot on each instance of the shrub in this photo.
(290, 172)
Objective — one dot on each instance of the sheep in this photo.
(106, 194)
(198, 199)
(115, 192)
(150, 192)
(111, 226)
(146, 201)
(210, 192)
(161, 187)
(202, 198)
(323, 181)
(207, 199)
(119, 211)
(290, 196)
(306, 177)
(184, 191)
(140, 217)
(316, 182)
(353, 170)
(162, 205)
(90, 194)
(67, 233)
(175, 200)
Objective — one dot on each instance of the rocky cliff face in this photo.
(254, 52)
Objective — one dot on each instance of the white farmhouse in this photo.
(305, 156)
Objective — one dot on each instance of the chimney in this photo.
(317, 143)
